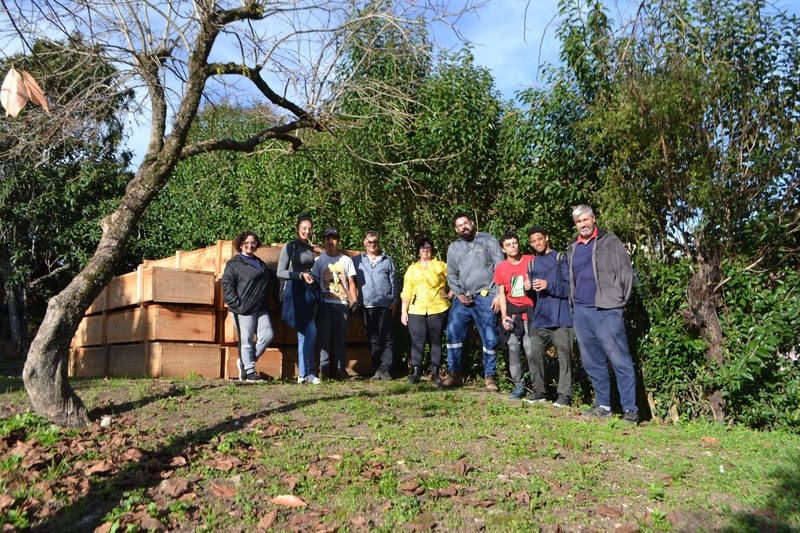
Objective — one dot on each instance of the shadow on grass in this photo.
(175, 389)
(782, 512)
(104, 494)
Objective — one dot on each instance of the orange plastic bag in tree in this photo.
(19, 87)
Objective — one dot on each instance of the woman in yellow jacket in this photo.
(425, 304)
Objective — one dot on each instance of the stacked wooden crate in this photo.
(156, 322)
(168, 318)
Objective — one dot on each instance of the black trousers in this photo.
(378, 323)
(422, 328)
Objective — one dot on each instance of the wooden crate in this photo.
(85, 362)
(226, 332)
(127, 360)
(358, 361)
(355, 331)
(159, 322)
(278, 363)
(164, 359)
(90, 331)
(161, 285)
(177, 359)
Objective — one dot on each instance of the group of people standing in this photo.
(546, 298)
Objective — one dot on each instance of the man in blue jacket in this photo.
(601, 282)
(378, 295)
(551, 320)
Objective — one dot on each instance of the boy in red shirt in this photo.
(515, 305)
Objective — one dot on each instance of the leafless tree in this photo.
(176, 55)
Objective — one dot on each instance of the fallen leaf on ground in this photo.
(6, 501)
(627, 528)
(105, 527)
(223, 491)
(178, 460)
(99, 467)
(423, 522)
(358, 521)
(173, 487)
(710, 440)
(288, 500)
(461, 468)
(267, 520)
(609, 511)
(385, 507)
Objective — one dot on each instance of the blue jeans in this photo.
(457, 323)
(602, 340)
(305, 349)
(257, 324)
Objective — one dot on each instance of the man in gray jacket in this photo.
(470, 274)
(601, 282)
(378, 295)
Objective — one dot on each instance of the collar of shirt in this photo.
(592, 236)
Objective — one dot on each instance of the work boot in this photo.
(435, 379)
(452, 380)
(415, 375)
(491, 384)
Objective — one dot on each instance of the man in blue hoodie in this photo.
(378, 295)
(551, 320)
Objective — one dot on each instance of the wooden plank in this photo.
(355, 331)
(177, 359)
(170, 285)
(127, 360)
(205, 259)
(100, 303)
(90, 331)
(160, 323)
(88, 362)
(278, 363)
(123, 291)
(358, 361)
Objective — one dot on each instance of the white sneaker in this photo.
(314, 380)
(301, 381)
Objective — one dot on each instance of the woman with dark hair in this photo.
(424, 308)
(246, 284)
(301, 295)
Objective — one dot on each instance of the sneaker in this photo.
(252, 377)
(631, 417)
(491, 384)
(314, 380)
(301, 381)
(518, 393)
(452, 381)
(562, 401)
(535, 397)
(240, 366)
(342, 375)
(598, 411)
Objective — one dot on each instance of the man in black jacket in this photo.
(245, 287)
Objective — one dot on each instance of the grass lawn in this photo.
(356, 455)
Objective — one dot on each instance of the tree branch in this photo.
(280, 133)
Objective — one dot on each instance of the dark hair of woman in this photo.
(237, 243)
(301, 218)
(422, 241)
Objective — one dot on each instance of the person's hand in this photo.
(496, 305)
(308, 278)
(539, 284)
(465, 299)
(404, 318)
(508, 324)
(527, 284)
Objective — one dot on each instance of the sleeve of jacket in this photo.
(283, 264)
(229, 282)
(394, 282)
(560, 287)
(624, 269)
(453, 279)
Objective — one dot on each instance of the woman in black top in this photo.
(301, 295)
(245, 286)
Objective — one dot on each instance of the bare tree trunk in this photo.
(45, 372)
(702, 315)
(15, 299)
